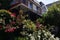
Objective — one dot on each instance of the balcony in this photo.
(26, 7)
(36, 2)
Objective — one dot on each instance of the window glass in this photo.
(24, 1)
(14, 2)
(30, 5)
(37, 8)
(34, 7)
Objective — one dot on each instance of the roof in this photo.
(57, 2)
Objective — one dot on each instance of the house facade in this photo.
(32, 7)
(43, 7)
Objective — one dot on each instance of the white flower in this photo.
(52, 36)
(30, 35)
(57, 38)
(43, 31)
(38, 36)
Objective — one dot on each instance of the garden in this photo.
(17, 27)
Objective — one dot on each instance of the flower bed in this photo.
(14, 27)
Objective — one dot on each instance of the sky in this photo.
(47, 1)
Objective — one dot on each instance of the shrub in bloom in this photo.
(10, 29)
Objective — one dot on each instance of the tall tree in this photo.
(52, 17)
(4, 4)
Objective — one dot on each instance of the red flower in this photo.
(13, 15)
(8, 26)
(37, 24)
(13, 22)
(14, 28)
(0, 27)
(10, 29)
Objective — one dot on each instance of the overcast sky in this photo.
(47, 1)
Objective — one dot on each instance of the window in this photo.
(34, 7)
(37, 8)
(30, 5)
(14, 2)
(24, 1)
